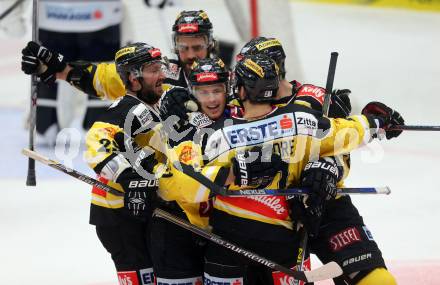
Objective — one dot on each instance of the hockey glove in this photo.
(382, 116)
(175, 102)
(39, 60)
(256, 167)
(340, 105)
(139, 193)
(320, 177)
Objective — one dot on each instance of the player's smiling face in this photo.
(212, 99)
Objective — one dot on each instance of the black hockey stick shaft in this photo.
(219, 190)
(31, 177)
(302, 249)
(72, 172)
(330, 80)
(327, 271)
(414, 128)
(10, 9)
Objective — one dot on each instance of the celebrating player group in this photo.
(245, 128)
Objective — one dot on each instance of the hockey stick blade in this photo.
(72, 172)
(327, 271)
(219, 190)
(414, 128)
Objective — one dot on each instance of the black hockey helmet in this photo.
(259, 75)
(268, 46)
(208, 71)
(131, 58)
(193, 23)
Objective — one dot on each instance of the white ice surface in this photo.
(387, 55)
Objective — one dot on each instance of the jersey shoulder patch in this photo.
(173, 71)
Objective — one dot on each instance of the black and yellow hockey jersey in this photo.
(295, 132)
(137, 120)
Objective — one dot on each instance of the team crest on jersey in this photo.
(186, 154)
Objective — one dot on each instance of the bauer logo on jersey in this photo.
(312, 91)
(344, 239)
(143, 114)
(211, 280)
(260, 131)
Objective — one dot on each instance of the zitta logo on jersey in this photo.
(261, 131)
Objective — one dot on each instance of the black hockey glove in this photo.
(382, 116)
(340, 105)
(320, 177)
(44, 63)
(256, 167)
(178, 102)
(139, 193)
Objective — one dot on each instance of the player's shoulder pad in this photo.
(128, 107)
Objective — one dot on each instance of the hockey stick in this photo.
(327, 271)
(330, 79)
(219, 190)
(415, 128)
(31, 178)
(72, 172)
(10, 9)
(304, 235)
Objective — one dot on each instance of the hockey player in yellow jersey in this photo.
(178, 256)
(114, 151)
(338, 216)
(298, 134)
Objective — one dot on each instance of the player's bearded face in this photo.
(212, 99)
(191, 48)
(153, 78)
